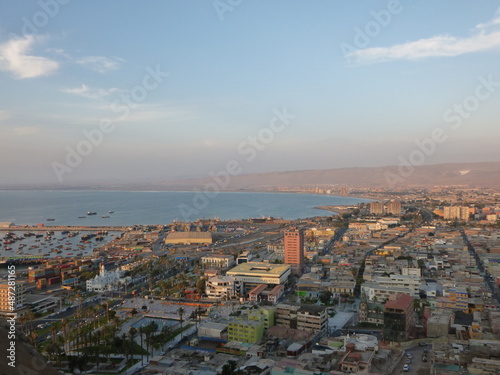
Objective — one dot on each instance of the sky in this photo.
(123, 91)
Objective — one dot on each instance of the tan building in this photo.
(304, 317)
(256, 273)
(222, 287)
(218, 261)
(11, 300)
(189, 238)
(456, 213)
(393, 208)
(376, 208)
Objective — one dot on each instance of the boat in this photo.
(51, 219)
(105, 216)
(82, 217)
(91, 213)
(111, 212)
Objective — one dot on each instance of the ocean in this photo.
(124, 208)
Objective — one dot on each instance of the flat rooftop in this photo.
(259, 269)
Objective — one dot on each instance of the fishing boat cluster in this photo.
(51, 244)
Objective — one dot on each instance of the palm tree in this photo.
(141, 331)
(24, 319)
(180, 312)
(132, 333)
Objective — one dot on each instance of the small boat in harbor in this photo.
(51, 219)
(90, 213)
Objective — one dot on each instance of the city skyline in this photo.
(161, 91)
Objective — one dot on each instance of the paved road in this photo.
(416, 362)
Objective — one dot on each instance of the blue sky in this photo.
(66, 66)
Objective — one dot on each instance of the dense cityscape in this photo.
(407, 282)
(233, 187)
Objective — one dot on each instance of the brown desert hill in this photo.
(27, 360)
(482, 174)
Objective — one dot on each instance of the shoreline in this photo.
(335, 209)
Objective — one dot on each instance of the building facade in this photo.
(399, 318)
(294, 249)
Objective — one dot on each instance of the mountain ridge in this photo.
(477, 174)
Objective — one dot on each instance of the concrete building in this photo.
(212, 330)
(380, 293)
(12, 300)
(222, 287)
(256, 273)
(217, 261)
(409, 282)
(399, 318)
(393, 208)
(294, 249)
(189, 238)
(245, 330)
(438, 324)
(312, 318)
(244, 257)
(274, 295)
(456, 213)
(256, 293)
(376, 208)
(305, 317)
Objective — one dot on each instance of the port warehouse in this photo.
(189, 238)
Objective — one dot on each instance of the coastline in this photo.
(335, 209)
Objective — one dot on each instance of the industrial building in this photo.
(189, 238)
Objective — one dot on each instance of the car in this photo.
(409, 355)
(406, 368)
(422, 344)
(408, 361)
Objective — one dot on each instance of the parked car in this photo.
(406, 368)
(422, 344)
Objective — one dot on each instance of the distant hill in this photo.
(28, 360)
(483, 174)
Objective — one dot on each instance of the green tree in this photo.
(325, 297)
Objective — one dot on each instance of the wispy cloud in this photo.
(485, 36)
(90, 93)
(15, 59)
(100, 64)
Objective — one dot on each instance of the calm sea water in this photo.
(129, 208)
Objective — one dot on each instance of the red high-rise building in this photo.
(294, 249)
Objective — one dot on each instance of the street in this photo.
(417, 366)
